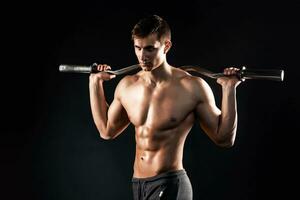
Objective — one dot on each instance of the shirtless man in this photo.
(162, 102)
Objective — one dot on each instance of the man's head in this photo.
(152, 40)
(152, 25)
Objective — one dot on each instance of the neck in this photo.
(159, 74)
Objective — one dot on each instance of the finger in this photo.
(231, 71)
(226, 71)
(106, 67)
(100, 67)
(234, 70)
(112, 76)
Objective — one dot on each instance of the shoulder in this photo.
(194, 84)
(127, 80)
(124, 83)
(191, 81)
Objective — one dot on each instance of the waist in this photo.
(163, 175)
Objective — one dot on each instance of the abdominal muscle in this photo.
(159, 151)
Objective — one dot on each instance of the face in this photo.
(150, 52)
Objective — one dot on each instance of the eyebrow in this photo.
(146, 47)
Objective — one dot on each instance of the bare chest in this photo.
(159, 108)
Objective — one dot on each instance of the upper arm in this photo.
(117, 116)
(206, 110)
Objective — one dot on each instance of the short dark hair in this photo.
(150, 25)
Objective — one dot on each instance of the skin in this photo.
(163, 103)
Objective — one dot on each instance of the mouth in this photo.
(146, 64)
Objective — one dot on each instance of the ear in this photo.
(168, 45)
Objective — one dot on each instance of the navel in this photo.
(173, 119)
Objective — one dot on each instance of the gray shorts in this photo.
(174, 185)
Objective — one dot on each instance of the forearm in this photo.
(228, 118)
(99, 106)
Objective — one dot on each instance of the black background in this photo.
(50, 148)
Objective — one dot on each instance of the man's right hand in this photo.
(101, 75)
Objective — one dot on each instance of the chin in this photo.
(147, 67)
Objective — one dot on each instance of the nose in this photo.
(144, 56)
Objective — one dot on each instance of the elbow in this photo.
(225, 142)
(226, 139)
(106, 135)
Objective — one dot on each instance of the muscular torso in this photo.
(162, 114)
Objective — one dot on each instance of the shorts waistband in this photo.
(159, 176)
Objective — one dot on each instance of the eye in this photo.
(150, 49)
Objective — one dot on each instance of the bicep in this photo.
(207, 111)
(117, 116)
